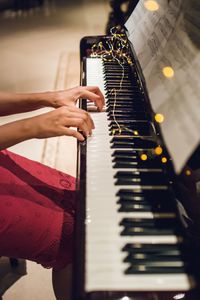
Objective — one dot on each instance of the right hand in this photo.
(59, 121)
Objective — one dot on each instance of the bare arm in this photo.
(12, 103)
(55, 123)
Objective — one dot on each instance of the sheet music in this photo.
(176, 96)
(149, 31)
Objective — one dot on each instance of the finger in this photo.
(92, 97)
(97, 97)
(96, 90)
(74, 133)
(80, 113)
(87, 117)
(80, 124)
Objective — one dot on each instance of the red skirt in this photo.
(37, 207)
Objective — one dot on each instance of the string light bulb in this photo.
(164, 160)
(151, 5)
(143, 157)
(158, 150)
(168, 72)
(188, 172)
(159, 118)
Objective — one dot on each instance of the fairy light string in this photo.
(116, 48)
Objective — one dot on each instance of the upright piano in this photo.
(138, 175)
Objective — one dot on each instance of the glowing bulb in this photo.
(179, 296)
(168, 72)
(143, 157)
(158, 150)
(159, 118)
(188, 172)
(164, 160)
(151, 5)
(135, 132)
(125, 298)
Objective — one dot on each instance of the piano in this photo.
(138, 175)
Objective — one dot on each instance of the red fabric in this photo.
(37, 207)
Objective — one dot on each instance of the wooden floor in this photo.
(40, 52)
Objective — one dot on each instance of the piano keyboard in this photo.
(133, 237)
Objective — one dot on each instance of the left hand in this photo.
(69, 97)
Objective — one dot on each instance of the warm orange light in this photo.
(164, 160)
(158, 150)
(188, 172)
(168, 72)
(143, 157)
(159, 118)
(151, 5)
(135, 132)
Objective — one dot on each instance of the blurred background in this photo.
(39, 51)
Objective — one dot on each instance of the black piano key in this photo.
(129, 110)
(117, 76)
(121, 105)
(125, 102)
(133, 144)
(134, 130)
(152, 248)
(162, 226)
(145, 195)
(146, 143)
(139, 124)
(155, 160)
(113, 65)
(135, 116)
(113, 93)
(173, 255)
(116, 70)
(128, 163)
(150, 223)
(124, 132)
(132, 124)
(124, 89)
(124, 111)
(132, 102)
(138, 231)
(122, 98)
(155, 269)
(118, 84)
(143, 178)
(140, 207)
(129, 207)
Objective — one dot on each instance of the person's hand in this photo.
(59, 121)
(70, 96)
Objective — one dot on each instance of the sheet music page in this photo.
(172, 72)
(149, 30)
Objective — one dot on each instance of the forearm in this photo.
(12, 103)
(15, 132)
